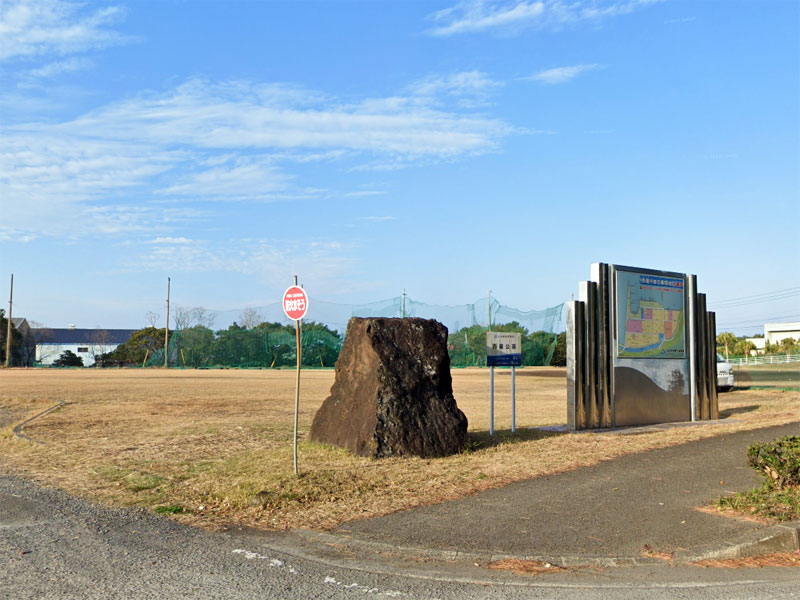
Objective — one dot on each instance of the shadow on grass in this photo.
(479, 440)
(738, 410)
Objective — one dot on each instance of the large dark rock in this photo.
(393, 394)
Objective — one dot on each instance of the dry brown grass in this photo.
(214, 447)
(524, 567)
(783, 559)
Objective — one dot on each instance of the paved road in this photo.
(55, 546)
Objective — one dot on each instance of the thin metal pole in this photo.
(297, 386)
(8, 330)
(166, 329)
(490, 310)
(404, 303)
(491, 400)
(513, 401)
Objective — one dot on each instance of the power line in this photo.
(792, 289)
(758, 298)
(755, 323)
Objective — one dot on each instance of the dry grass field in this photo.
(214, 448)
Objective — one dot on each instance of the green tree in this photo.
(743, 348)
(68, 359)
(788, 346)
(321, 345)
(560, 354)
(726, 341)
(145, 342)
(240, 347)
(196, 346)
(16, 342)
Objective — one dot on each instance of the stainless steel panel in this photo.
(603, 346)
(588, 294)
(575, 359)
(639, 400)
(611, 298)
(712, 332)
(711, 371)
(691, 320)
(702, 358)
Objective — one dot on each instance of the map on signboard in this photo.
(650, 317)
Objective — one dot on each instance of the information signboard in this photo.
(503, 349)
(651, 320)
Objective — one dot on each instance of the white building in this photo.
(89, 344)
(760, 343)
(774, 333)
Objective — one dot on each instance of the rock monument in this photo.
(393, 393)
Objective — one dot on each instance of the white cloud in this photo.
(206, 115)
(470, 87)
(376, 219)
(171, 240)
(237, 141)
(364, 193)
(326, 262)
(40, 27)
(236, 178)
(503, 15)
(561, 74)
(60, 67)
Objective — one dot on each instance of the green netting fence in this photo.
(262, 337)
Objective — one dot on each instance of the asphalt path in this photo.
(615, 508)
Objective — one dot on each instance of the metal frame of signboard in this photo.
(512, 360)
(608, 390)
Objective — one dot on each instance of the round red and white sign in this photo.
(295, 303)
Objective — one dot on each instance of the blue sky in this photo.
(447, 148)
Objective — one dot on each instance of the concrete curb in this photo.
(562, 560)
(778, 538)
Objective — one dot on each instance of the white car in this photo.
(724, 374)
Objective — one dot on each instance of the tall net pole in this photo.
(166, 329)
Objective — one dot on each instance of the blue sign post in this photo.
(503, 350)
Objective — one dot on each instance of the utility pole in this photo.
(166, 330)
(8, 331)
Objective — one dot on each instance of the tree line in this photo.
(274, 345)
(198, 346)
(729, 344)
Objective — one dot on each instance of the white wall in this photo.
(46, 354)
(775, 332)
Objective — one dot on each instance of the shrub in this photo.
(68, 359)
(778, 461)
